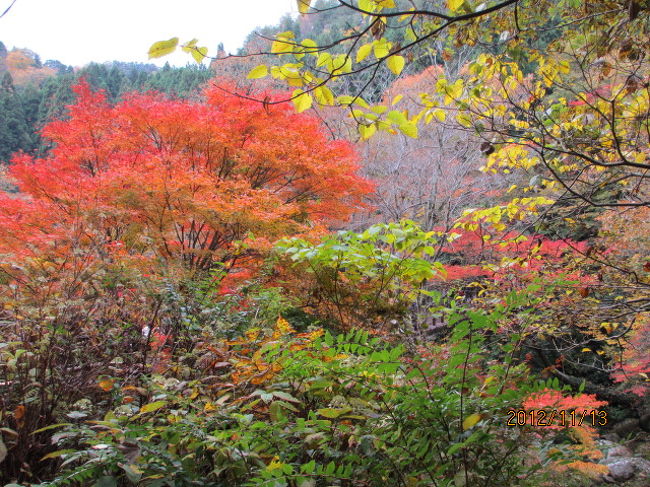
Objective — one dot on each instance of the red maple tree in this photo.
(155, 180)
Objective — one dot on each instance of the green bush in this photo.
(311, 409)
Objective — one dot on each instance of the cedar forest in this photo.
(387, 243)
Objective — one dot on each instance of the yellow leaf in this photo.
(341, 64)
(162, 48)
(282, 45)
(361, 102)
(410, 129)
(199, 53)
(489, 380)
(323, 59)
(396, 64)
(381, 48)
(367, 5)
(302, 101)
(397, 117)
(303, 6)
(586, 349)
(455, 90)
(470, 421)
(252, 334)
(293, 80)
(609, 327)
(464, 120)
(396, 99)
(209, 407)
(363, 52)
(287, 34)
(324, 95)
(440, 114)
(283, 326)
(153, 406)
(188, 46)
(367, 131)
(258, 72)
(454, 4)
(410, 35)
(275, 464)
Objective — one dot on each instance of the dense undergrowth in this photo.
(273, 406)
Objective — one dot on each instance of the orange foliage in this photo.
(155, 181)
(253, 366)
(24, 69)
(578, 414)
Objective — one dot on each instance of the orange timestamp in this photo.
(558, 418)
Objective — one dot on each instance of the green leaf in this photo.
(57, 454)
(153, 406)
(106, 481)
(258, 72)
(162, 48)
(275, 411)
(454, 448)
(333, 412)
(285, 396)
(396, 64)
(287, 405)
(50, 427)
(309, 467)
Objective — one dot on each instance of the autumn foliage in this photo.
(153, 180)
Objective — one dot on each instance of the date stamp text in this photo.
(554, 417)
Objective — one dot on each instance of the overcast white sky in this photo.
(79, 31)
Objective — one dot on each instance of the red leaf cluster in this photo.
(155, 179)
